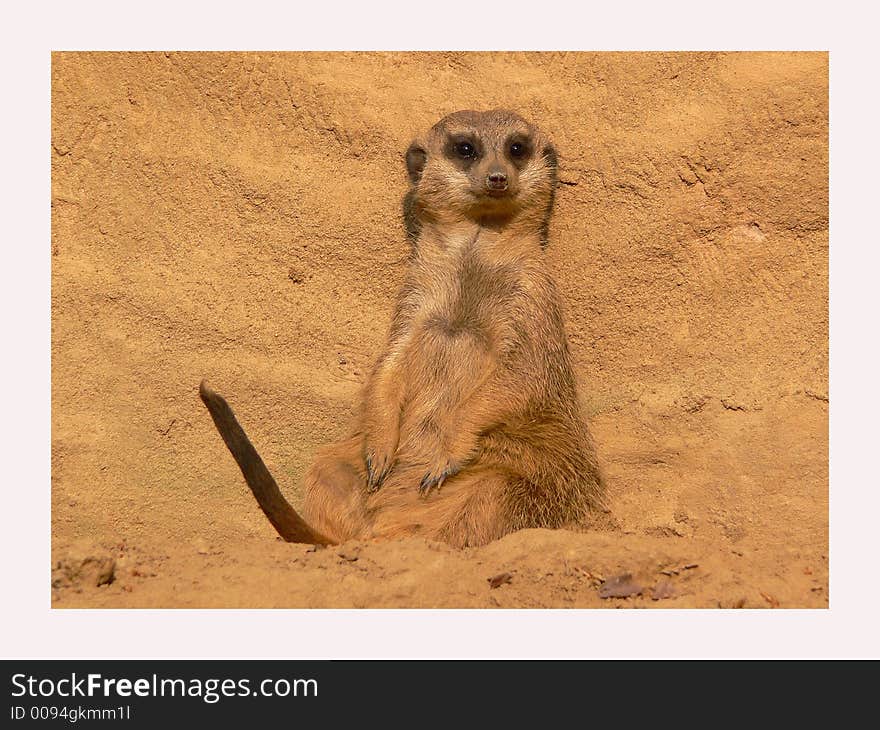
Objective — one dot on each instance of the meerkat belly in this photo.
(450, 357)
(447, 362)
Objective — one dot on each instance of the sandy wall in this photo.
(237, 217)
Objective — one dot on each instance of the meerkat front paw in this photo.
(437, 475)
(379, 460)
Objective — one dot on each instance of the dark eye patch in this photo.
(465, 150)
(462, 149)
(519, 149)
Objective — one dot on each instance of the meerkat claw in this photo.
(375, 477)
(430, 482)
(368, 460)
(372, 477)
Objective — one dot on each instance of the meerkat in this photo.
(470, 426)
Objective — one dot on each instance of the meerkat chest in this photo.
(468, 298)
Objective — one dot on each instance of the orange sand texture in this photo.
(237, 217)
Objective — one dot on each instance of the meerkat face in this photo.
(483, 164)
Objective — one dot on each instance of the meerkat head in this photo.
(490, 165)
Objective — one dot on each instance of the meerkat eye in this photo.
(465, 149)
(517, 149)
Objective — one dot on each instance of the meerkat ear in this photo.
(416, 157)
(549, 154)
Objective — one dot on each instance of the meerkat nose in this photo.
(496, 181)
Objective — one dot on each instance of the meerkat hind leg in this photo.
(468, 510)
(334, 491)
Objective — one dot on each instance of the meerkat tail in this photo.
(283, 517)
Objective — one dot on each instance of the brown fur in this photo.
(470, 426)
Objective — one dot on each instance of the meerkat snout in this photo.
(496, 182)
(489, 165)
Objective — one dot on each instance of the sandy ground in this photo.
(237, 217)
